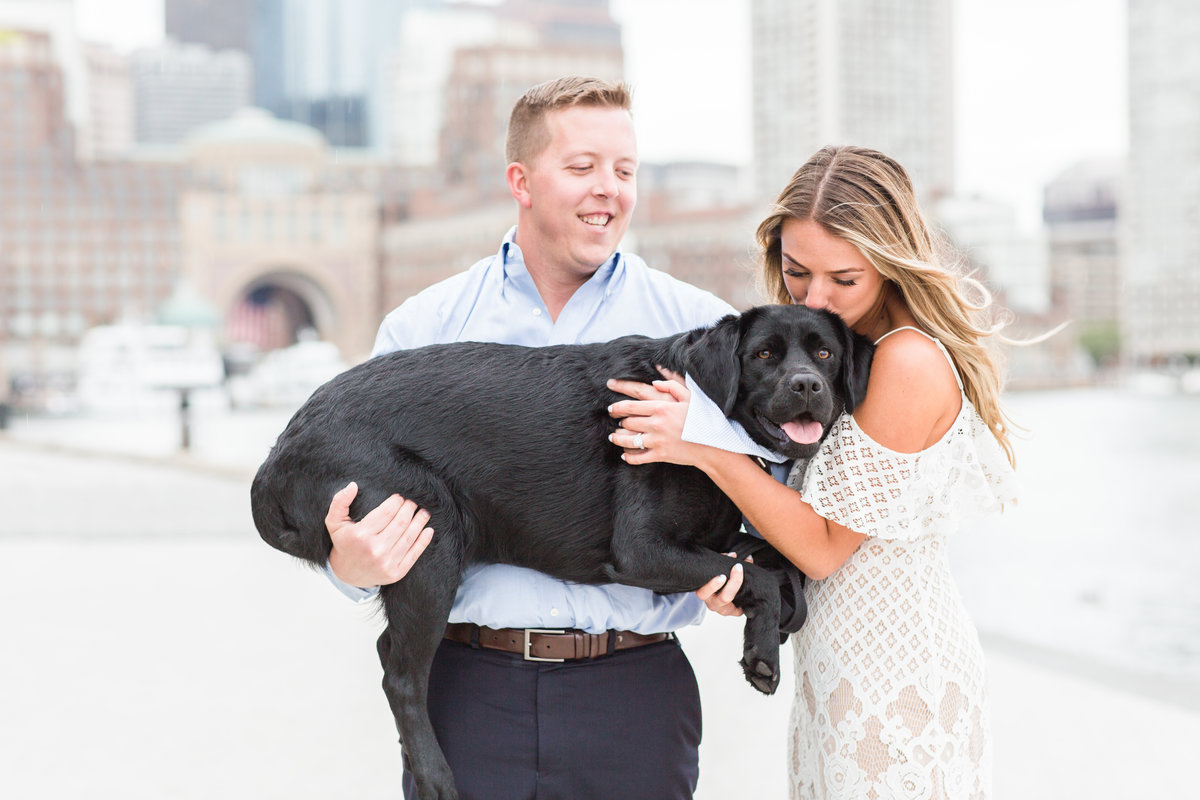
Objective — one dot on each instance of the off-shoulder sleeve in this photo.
(872, 490)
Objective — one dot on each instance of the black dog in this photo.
(506, 447)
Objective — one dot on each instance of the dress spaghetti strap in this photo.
(940, 346)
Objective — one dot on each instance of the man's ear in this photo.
(712, 361)
(856, 366)
(518, 183)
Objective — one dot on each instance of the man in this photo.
(623, 725)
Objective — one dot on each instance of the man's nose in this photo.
(606, 185)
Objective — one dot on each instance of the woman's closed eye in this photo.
(803, 276)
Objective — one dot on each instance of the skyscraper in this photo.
(179, 87)
(56, 18)
(1161, 244)
(320, 62)
(220, 24)
(877, 73)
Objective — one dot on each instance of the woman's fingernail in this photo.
(610, 409)
(738, 566)
(610, 437)
(720, 579)
(610, 383)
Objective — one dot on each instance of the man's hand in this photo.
(380, 548)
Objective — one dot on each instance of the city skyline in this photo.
(1038, 84)
(61, 277)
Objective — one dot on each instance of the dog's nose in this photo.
(805, 383)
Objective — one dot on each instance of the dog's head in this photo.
(784, 372)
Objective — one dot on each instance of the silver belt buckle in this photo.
(528, 631)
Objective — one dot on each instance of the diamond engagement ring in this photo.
(639, 441)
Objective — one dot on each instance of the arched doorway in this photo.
(278, 310)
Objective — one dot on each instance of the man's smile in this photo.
(597, 220)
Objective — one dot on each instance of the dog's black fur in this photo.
(506, 447)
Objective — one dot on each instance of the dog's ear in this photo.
(712, 361)
(856, 366)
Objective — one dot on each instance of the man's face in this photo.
(579, 193)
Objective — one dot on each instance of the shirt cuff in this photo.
(705, 424)
(355, 593)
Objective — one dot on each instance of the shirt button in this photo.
(554, 612)
(537, 312)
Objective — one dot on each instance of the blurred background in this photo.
(207, 206)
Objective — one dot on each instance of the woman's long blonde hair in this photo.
(867, 199)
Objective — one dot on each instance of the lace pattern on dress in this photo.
(891, 687)
(857, 482)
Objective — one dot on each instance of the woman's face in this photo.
(822, 271)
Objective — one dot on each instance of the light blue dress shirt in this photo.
(496, 301)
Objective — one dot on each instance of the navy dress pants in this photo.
(622, 726)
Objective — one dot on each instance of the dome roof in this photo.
(255, 126)
(186, 307)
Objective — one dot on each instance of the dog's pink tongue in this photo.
(802, 432)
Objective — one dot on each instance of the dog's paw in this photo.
(762, 671)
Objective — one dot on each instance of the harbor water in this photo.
(1100, 557)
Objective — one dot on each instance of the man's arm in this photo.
(381, 547)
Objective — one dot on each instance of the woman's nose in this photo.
(814, 298)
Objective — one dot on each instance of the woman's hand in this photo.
(718, 594)
(651, 424)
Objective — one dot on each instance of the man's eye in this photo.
(764, 354)
(824, 354)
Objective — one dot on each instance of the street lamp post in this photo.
(197, 368)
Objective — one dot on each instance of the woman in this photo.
(891, 696)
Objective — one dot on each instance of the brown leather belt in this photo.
(550, 644)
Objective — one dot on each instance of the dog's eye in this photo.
(763, 354)
(824, 354)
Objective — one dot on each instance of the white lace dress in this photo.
(891, 692)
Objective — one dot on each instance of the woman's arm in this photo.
(912, 399)
(816, 546)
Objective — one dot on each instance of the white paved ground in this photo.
(151, 646)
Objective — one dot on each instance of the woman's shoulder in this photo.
(911, 356)
(912, 394)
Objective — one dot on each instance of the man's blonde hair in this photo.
(866, 198)
(528, 135)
